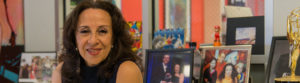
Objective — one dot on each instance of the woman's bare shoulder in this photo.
(56, 74)
(129, 72)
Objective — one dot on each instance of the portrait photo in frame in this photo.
(37, 67)
(233, 60)
(278, 63)
(174, 66)
(246, 31)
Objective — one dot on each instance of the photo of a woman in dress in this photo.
(178, 75)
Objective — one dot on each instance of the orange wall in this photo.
(197, 21)
(132, 10)
(212, 17)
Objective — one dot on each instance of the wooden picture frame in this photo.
(235, 58)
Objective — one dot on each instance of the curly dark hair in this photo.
(233, 73)
(122, 43)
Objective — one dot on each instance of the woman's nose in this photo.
(93, 40)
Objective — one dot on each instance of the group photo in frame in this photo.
(226, 64)
(37, 67)
(278, 62)
(169, 66)
(246, 31)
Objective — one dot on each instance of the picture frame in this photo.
(172, 65)
(278, 63)
(37, 67)
(177, 15)
(246, 31)
(69, 5)
(235, 58)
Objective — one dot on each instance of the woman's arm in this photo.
(56, 74)
(129, 72)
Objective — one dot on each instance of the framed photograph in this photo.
(69, 5)
(226, 61)
(169, 66)
(246, 31)
(278, 63)
(37, 67)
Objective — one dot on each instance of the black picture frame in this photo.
(278, 61)
(245, 22)
(154, 71)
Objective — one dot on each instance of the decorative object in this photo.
(174, 66)
(217, 41)
(293, 35)
(136, 33)
(278, 62)
(168, 39)
(246, 31)
(234, 60)
(37, 67)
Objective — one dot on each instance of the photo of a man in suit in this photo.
(162, 71)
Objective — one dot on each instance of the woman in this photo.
(210, 75)
(97, 47)
(228, 75)
(178, 76)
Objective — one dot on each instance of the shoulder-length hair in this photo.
(233, 73)
(122, 42)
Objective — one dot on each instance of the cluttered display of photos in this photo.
(168, 39)
(37, 67)
(169, 66)
(226, 64)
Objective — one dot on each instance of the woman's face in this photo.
(228, 71)
(212, 64)
(94, 35)
(177, 68)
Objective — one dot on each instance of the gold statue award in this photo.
(293, 35)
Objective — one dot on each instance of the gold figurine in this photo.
(293, 35)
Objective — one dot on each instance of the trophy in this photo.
(293, 36)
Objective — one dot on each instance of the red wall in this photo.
(132, 10)
(197, 21)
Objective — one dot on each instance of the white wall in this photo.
(40, 23)
(282, 9)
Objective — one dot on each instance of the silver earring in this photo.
(76, 49)
(112, 46)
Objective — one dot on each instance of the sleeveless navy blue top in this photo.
(89, 74)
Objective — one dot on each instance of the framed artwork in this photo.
(278, 63)
(37, 67)
(177, 15)
(175, 66)
(246, 31)
(168, 39)
(69, 5)
(226, 61)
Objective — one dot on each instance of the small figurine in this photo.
(217, 36)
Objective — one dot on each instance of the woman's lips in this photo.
(94, 51)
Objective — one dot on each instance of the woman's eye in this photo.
(84, 31)
(102, 31)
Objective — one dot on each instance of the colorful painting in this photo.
(245, 35)
(136, 33)
(11, 39)
(226, 64)
(12, 22)
(168, 39)
(37, 67)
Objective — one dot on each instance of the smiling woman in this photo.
(97, 47)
